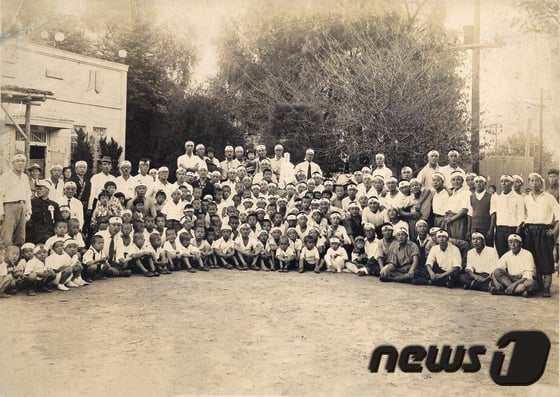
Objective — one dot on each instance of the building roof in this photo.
(12, 93)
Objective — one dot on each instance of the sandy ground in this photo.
(248, 333)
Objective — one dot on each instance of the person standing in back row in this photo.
(15, 202)
(307, 165)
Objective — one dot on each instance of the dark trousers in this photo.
(541, 246)
(466, 279)
(502, 233)
(453, 277)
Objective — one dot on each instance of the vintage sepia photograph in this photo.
(279, 197)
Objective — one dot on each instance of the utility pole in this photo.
(541, 106)
(475, 101)
(472, 41)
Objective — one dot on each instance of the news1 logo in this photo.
(526, 363)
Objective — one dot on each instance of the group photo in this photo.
(249, 198)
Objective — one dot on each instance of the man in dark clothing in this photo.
(44, 214)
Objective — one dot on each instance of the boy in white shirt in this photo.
(73, 259)
(336, 256)
(94, 261)
(189, 252)
(6, 279)
(481, 263)
(224, 249)
(309, 257)
(246, 249)
(285, 254)
(37, 275)
(140, 256)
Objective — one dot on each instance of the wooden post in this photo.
(28, 129)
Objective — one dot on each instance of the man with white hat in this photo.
(126, 183)
(381, 168)
(190, 161)
(308, 166)
(515, 274)
(444, 262)
(74, 205)
(425, 174)
(403, 260)
(480, 213)
(229, 163)
(15, 202)
(508, 209)
(453, 165)
(277, 161)
(57, 182)
(99, 180)
(481, 263)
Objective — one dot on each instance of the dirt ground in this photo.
(248, 333)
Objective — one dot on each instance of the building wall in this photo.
(88, 92)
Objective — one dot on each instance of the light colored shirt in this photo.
(97, 185)
(173, 211)
(521, 264)
(76, 208)
(485, 262)
(425, 176)
(446, 171)
(14, 187)
(304, 165)
(447, 259)
(509, 209)
(332, 254)
(459, 199)
(541, 209)
(34, 265)
(127, 186)
(192, 162)
(440, 202)
(310, 255)
(385, 172)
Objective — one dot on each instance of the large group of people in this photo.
(442, 227)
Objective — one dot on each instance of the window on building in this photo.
(36, 136)
(101, 131)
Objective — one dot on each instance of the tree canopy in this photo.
(357, 84)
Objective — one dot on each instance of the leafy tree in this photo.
(82, 151)
(349, 83)
(542, 16)
(112, 149)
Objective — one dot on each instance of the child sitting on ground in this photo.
(63, 271)
(284, 254)
(160, 259)
(204, 247)
(309, 258)
(336, 256)
(191, 254)
(95, 263)
(224, 249)
(246, 248)
(72, 259)
(140, 256)
(359, 258)
(6, 279)
(37, 276)
(172, 249)
(265, 256)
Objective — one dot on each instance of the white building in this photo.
(68, 91)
